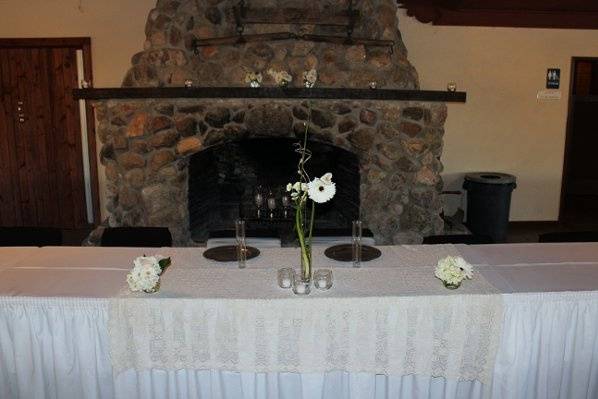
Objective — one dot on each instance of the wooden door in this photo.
(10, 210)
(580, 175)
(43, 184)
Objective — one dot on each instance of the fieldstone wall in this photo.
(168, 58)
(146, 144)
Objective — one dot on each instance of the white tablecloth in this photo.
(53, 340)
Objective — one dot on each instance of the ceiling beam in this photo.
(579, 14)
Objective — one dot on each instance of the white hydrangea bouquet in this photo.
(305, 190)
(452, 270)
(254, 79)
(145, 275)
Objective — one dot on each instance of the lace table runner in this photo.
(388, 320)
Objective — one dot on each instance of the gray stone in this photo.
(213, 15)
(163, 139)
(346, 125)
(130, 160)
(202, 127)
(406, 165)
(368, 117)
(135, 178)
(415, 113)
(186, 126)
(161, 158)
(410, 129)
(341, 108)
(120, 143)
(323, 118)
(218, 117)
(165, 109)
(239, 117)
(189, 145)
(140, 146)
(362, 139)
(300, 113)
(272, 120)
(160, 123)
(128, 198)
(191, 109)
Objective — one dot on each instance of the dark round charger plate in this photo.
(344, 253)
(228, 253)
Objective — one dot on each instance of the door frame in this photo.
(84, 44)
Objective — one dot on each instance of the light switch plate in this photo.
(549, 95)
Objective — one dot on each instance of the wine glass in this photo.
(357, 231)
(271, 204)
(259, 201)
(241, 246)
(286, 204)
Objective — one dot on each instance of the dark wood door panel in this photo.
(66, 135)
(10, 214)
(47, 167)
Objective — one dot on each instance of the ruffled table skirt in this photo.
(59, 348)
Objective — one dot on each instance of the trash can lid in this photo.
(491, 178)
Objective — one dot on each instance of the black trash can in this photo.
(488, 203)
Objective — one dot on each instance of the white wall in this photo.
(502, 127)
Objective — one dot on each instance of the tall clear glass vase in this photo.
(302, 281)
(306, 264)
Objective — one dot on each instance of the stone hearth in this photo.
(147, 143)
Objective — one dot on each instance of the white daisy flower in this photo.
(327, 178)
(320, 191)
(466, 268)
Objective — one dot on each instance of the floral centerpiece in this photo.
(452, 270)
(145, 275)
(306, 193)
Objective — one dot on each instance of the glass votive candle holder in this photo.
(286, 277)
(323, 279)
(301, 286)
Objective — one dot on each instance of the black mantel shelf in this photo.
(270, 92)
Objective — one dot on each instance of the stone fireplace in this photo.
(156, 151)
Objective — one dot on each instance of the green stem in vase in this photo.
(311, 227)
(305, 258)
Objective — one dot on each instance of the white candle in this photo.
(322, 283)
(301, 288)
(285, 282)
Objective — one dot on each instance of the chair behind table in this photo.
(468, 239)
(569, 236)
(149, 237)
(30, 236)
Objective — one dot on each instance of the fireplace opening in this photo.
(225, 179)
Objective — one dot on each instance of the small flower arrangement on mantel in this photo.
(254, 79)
(145, 275)
(281, 78)
(452, 270)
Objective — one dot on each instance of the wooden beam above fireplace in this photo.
(572, 14)
(270, 92)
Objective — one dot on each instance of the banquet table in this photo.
(55, 317)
